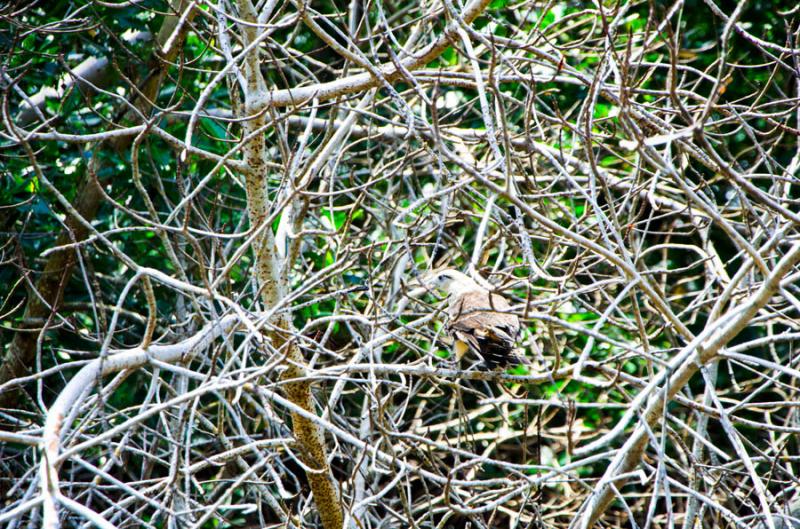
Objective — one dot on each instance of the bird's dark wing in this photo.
(485, 323)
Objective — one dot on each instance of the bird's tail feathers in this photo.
(501, 354)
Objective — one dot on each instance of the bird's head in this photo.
(450, 281)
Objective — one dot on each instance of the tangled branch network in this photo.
(218, 214)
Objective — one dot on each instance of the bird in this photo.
(478, 320)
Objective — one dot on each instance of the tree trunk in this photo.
(274, 286)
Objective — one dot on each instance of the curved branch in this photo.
(66, 405)
(630, 454)
(388, 72)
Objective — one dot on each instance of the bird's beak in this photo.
(418, 279)
(420, 285)
(415, 283)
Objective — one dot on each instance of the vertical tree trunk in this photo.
(275, 287)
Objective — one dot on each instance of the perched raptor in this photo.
(479, 321)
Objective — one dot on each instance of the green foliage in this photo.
(355, 223)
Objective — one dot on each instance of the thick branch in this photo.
(85, 379)
(388, 73)
(92, 72)
(702, 351)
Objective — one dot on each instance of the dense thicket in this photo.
(214, 216)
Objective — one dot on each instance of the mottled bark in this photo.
(274, 288)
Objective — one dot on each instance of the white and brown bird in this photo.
(479, 321)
